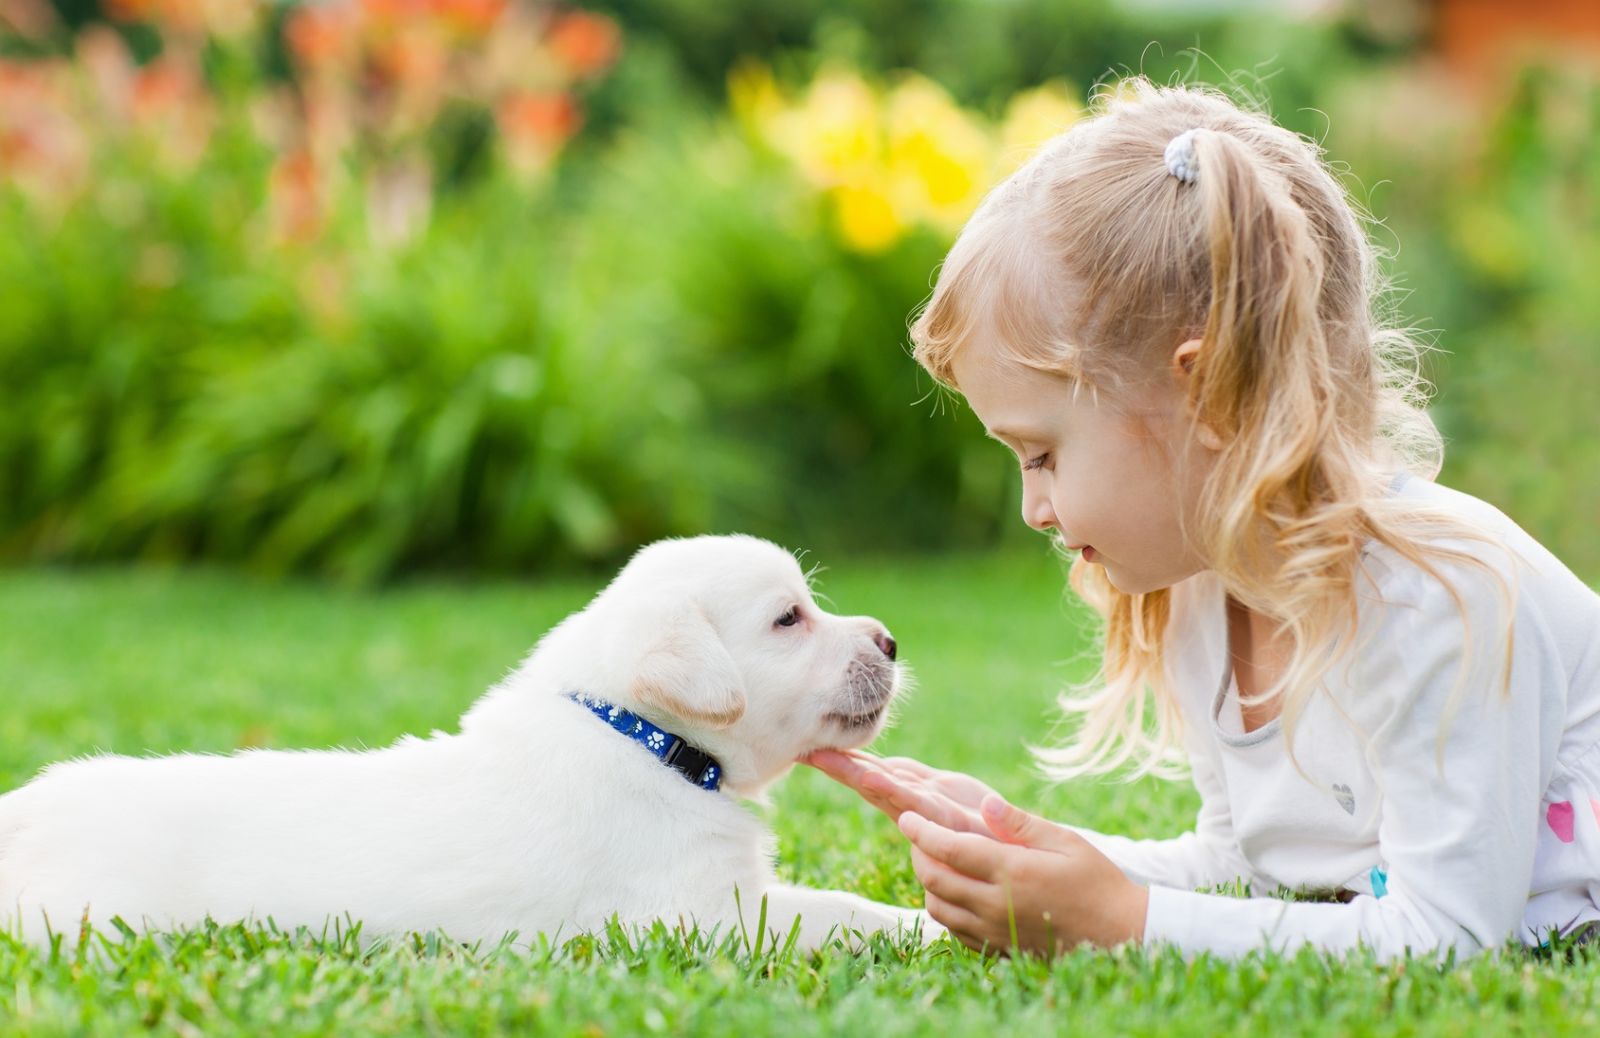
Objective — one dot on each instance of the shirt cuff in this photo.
(1227, 926)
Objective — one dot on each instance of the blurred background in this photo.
(360, 289)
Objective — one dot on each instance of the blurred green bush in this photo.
(1521, 396)
(307, 295)
(219, 346)
(1490, 207)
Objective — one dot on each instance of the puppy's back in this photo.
(172, 838)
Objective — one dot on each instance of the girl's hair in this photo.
(1093, 261)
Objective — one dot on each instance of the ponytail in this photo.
(1264, 359)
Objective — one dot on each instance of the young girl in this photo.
(1384, 688)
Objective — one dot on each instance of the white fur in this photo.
(536, 817)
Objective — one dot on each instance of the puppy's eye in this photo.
(788, 619)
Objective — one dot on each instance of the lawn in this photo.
(154, 661)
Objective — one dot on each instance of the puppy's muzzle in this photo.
(869, 686)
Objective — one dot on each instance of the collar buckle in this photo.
(693, 762)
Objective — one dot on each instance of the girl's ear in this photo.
(1183, 359)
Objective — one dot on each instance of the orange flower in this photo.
(185, 15)
(31, 19)
(159, 87)
(412, 56)
(297, 210)
(534, 126)
(168, 100)
(469, 18)
(23, 99)
(391, 11)
(320, 33)
(585, 43)
(545, 119)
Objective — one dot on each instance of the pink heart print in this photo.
(1560, 818)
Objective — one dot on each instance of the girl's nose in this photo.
(1037, 511)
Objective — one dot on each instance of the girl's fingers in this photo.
(840, 767)
(928, 803)
(960, 787)
(862, 778)
(980, 857)
(878, 787)
(964, 788)
(894, 793)
(948, 885)
(902, 798)
(849, 769)
(909, 766)
(962, 924)
(955, 786)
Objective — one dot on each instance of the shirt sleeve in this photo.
(1208, 856)
(1458, 846)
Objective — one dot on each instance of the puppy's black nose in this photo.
(885, 643)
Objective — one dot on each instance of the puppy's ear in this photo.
(686, 672)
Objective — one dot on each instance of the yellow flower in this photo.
(833, 134)
(890, 161)
(866, 218)
(938, 155)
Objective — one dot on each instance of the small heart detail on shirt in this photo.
(1347, 799)
(1560, 818)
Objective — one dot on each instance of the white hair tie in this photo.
(1182, 162)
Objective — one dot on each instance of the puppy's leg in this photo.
(828, 914)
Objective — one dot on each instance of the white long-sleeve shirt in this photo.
(1506, 842)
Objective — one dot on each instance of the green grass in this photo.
(153, 661)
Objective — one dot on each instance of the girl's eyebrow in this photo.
(1024, 434)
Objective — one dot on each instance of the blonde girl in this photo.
(1382, 688)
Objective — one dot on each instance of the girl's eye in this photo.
(1035, 463)
(789, 619)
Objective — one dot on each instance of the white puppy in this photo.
(546, 813)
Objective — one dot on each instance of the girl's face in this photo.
(1117, 484)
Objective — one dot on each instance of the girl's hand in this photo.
(1034, 887)
(895, 785)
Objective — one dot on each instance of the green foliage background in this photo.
(665, 339)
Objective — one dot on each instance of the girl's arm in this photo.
(1207, 856)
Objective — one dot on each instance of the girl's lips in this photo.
(1088, 553)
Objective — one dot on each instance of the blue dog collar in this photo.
(694, 764)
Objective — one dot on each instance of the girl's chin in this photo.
(1130, 583)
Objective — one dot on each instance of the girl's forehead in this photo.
(1017, 402)
(992, 364)
(1003, 390)
(1012, 400)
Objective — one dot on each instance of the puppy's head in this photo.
(719, 640)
